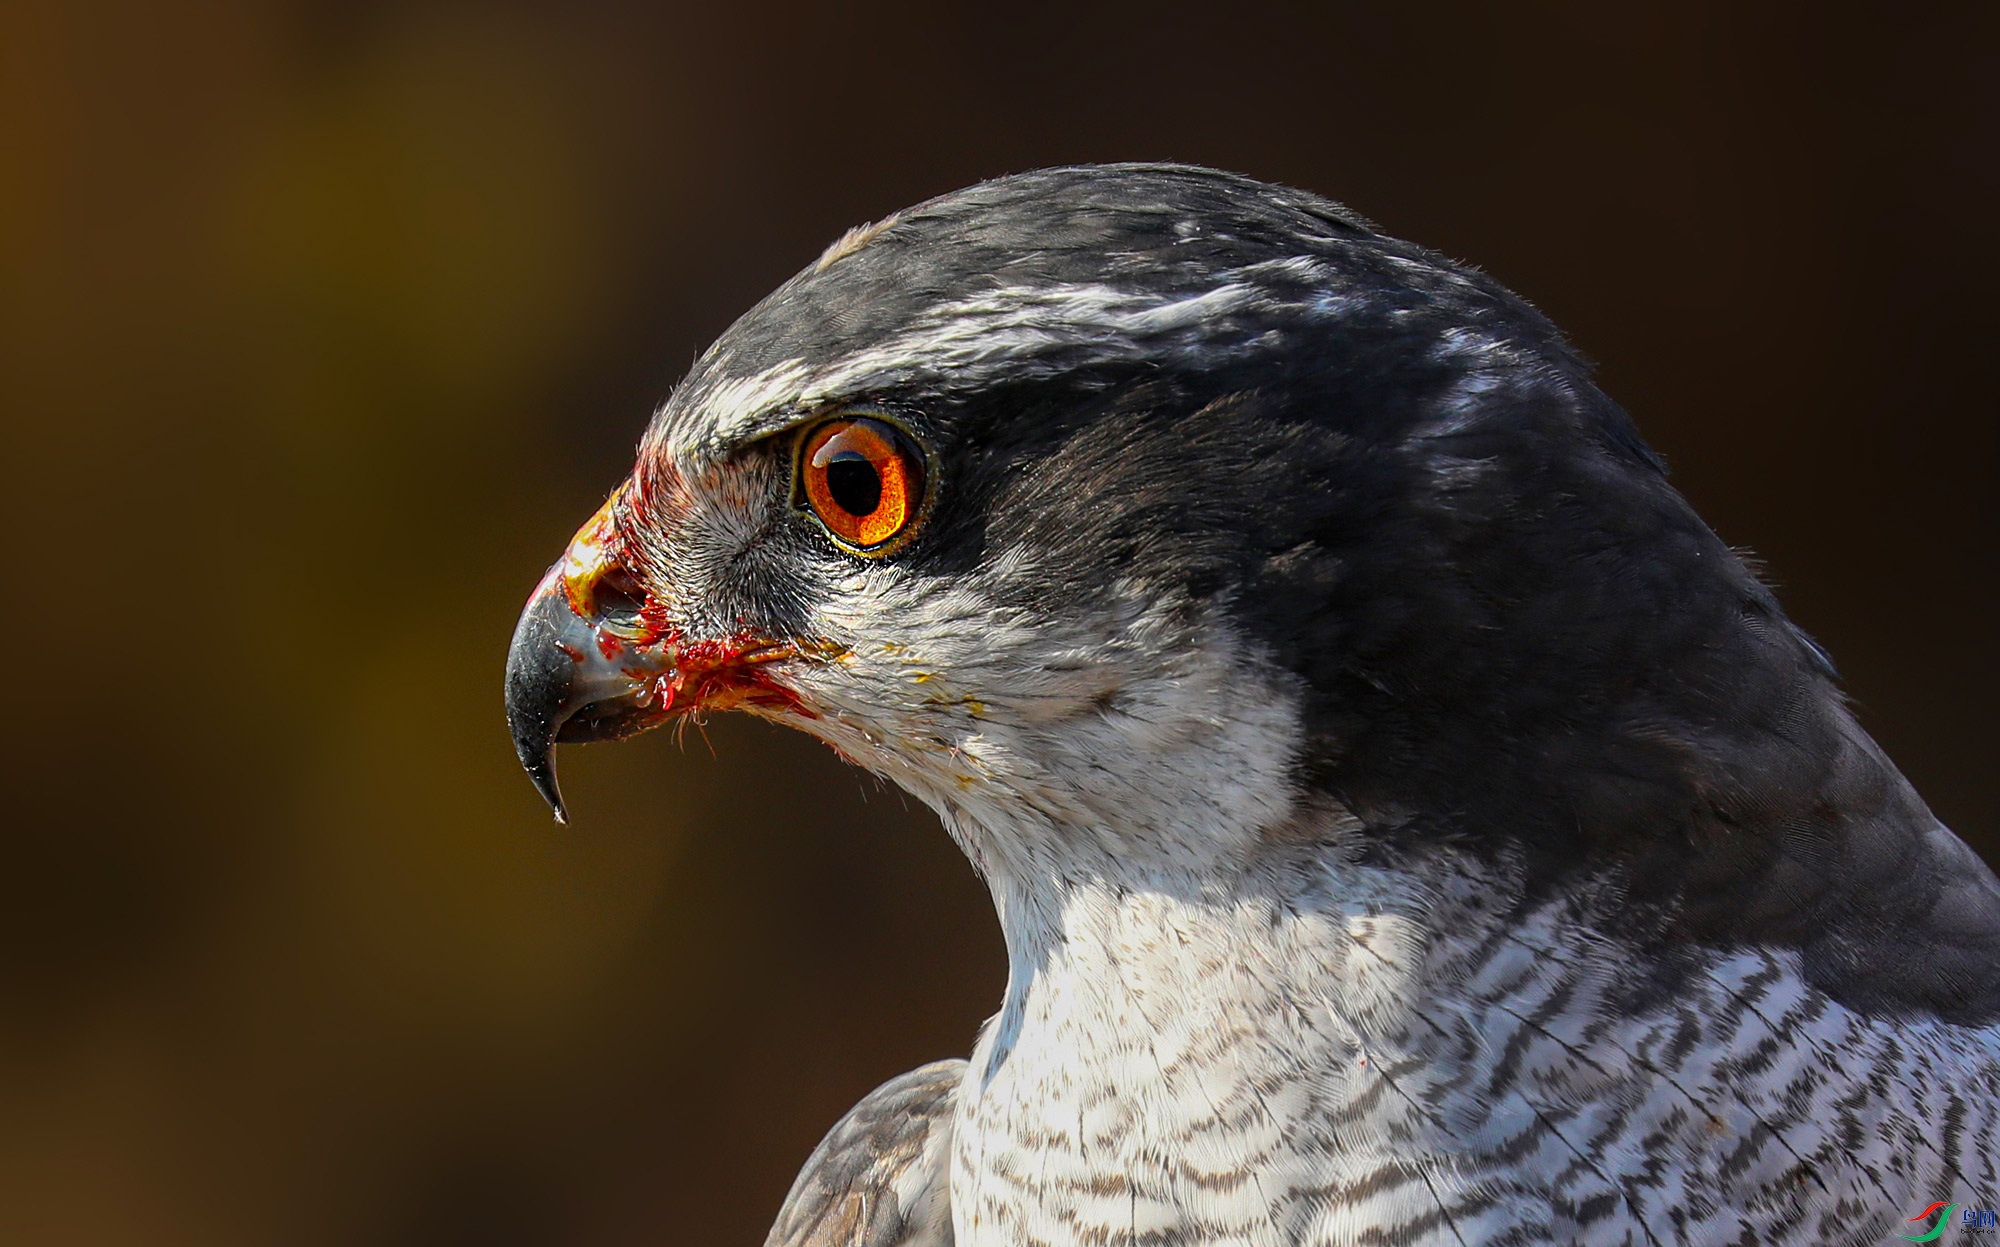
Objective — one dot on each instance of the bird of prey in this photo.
(1408, 822)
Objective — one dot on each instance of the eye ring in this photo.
(866, 479)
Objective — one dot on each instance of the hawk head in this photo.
(1131, 516)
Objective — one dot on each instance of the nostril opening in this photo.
(618, 599)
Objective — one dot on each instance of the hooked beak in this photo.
(593, 658)
(585, 664)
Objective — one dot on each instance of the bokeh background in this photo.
(323, 324)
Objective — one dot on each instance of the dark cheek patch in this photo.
(719, 552)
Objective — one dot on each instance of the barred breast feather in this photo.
(1346, 1056)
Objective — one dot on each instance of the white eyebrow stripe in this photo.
(1027, 331)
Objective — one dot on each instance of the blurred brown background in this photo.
(323, 324)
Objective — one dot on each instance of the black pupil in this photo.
(854, 484)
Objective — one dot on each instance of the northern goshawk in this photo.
(1408, 822)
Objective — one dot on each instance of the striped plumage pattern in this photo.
(1339, 1054)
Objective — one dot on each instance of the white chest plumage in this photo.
(1328, 1055)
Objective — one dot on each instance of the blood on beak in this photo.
(594, 658)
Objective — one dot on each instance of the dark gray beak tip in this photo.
(539, 678)
(542, 773)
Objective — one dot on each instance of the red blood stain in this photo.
(679, 676)
(727, 673)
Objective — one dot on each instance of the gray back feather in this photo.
(881, 1177)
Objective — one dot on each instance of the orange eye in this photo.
(865, 481)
